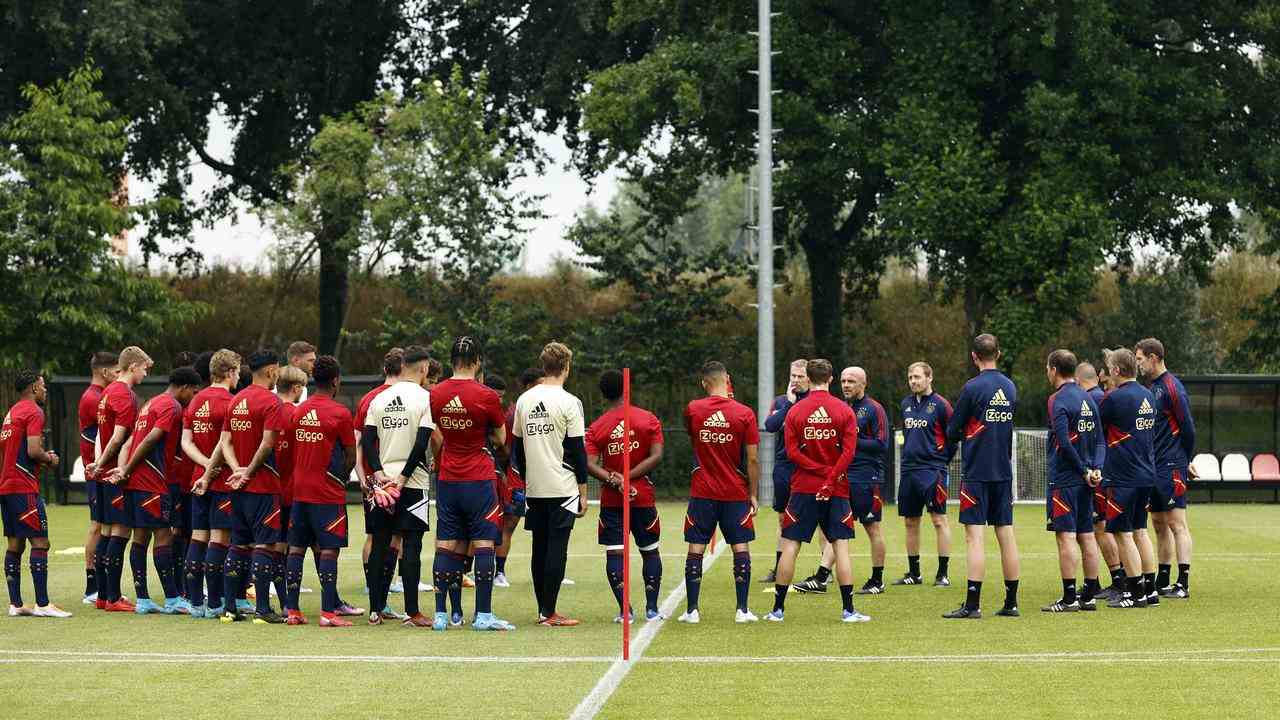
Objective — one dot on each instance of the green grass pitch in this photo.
(1216, 655)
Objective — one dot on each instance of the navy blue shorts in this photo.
(91, 494)
(734, 518)
(986, 503)
(805, 513)
(286, 512)
(1126, 508)
(181, 520)
(211, 511)
(1170, 492)
(148, 510)
(111, 505)
(646, 530)
(468, 511)
(24, 515)
(316, 525)
(255, 518)
(781, 488)
(922, 489)
(1099, 505)
(1069, 510)
(866, 503)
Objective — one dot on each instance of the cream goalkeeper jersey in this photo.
(545, 416)
(397, 413)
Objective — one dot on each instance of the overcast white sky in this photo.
(244, 240)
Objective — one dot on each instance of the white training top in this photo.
(545, 416)
(397, 413)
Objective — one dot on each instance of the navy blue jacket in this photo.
(1128, 419)
(873, 441)
(924, 432)
(984, 421)
(1075, 436)
(1175, 441)
(1097, 393)
(782, 465)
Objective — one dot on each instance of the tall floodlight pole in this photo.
(764, 239)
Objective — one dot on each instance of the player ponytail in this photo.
(465, 352)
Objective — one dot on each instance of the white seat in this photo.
(1206, 465)
(1235, 468)
(77, 472)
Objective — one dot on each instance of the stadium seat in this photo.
(1266, 468)
(1206, 466)
(1235, 468)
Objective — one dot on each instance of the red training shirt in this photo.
(88, 412)
(253, 412)
(604, 438)
(721, 430)
(465, 412)
(822, 437)
(118, 407)
(320, 428)
(204, 418)
(151, 475)
(18, 473)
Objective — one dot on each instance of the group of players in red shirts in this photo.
(231, 489)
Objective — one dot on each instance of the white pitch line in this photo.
(605, 687)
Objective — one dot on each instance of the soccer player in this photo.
(396, 443)
(117, 412)
(797, 389)
(984, 420)
(1093, 382)
(923, 476)
(22, 508)
(323, 446)
(549, 452)
(723, 488)
(1076, 452)
(302, 355)
(1175, 442)
(210, 495)
(290, 383)
(1128, 418)
(376, 519)
(606, 443)
(822, 437)
(510, 489)
(248, 439)
(467, 414)
(102, 365)
(866, 473)
(145, 478)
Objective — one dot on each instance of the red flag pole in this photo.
(626, 513)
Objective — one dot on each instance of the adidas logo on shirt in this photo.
(203, 412)
(396, 405)
(716, 420)
(241, 408)
(820, 416)
(1146, 408)
(999, 398)
(617, 432)
(539, 412)
(1085, 411)
(454, 405)
(311, 419)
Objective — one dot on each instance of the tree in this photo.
(418, 180)
(272, 70)
(65, 294)
(1034, 141)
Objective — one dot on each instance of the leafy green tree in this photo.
(66, 294)
(417, 180)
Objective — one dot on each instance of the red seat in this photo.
(1266, 468)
